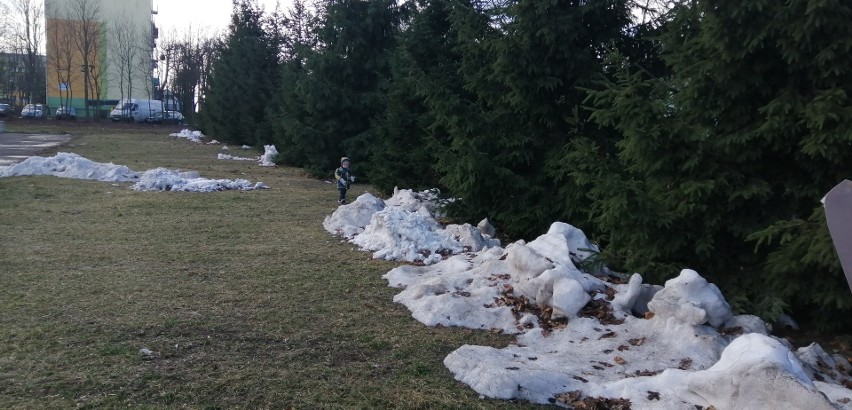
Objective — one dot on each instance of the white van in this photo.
(136, 110)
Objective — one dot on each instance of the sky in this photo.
(210, 14)
(580, 337)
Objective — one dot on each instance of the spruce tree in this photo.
(522, 66)
(300, 40)
(735, 147)
(337, 94)
(407, 140)
(242, 80)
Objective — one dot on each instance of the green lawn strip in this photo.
(243, 298)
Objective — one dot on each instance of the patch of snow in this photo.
(234, 158)
(690, 298)
(163, 179)
(404, 228)
(486, 228)
(194, 136)
(350, 220)
(579, 335)
(753, 372)
(396, 234)
(268, 157)
(67, 165)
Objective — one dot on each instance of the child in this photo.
(343, 177)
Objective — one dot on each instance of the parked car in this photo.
(135, 110)
(64, 112)
(173, 117)
(35, 111)
(6, 109)
(166, 117)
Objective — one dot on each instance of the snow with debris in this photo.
(582, 338)
(162, 179)
(194, 136)
(269, 155)
(67, 165)
(234, 158)
(404, 228)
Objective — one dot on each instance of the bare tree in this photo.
(62, 59)
(144, 65)
(7, 71)
(649, 11)
(86, 14)
(184, 63)
(5, 26)
(169, 46)
(28, 31)
(124, 51)
(209, 52)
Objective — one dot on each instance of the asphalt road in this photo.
(15, 148)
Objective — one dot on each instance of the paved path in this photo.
(15, 148)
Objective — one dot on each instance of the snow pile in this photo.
(404, 228)
(350, 220)
(584, 339)
(194, 136)
(162, 179)
(67, 165)
(234, 158)
(245, 147)
(268, 157)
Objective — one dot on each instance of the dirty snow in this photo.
(162, 179)
(404, 228)
(581, 336)
(268, 157)
(194, 136)
(234, 158)
(68, 165)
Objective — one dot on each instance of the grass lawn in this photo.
(243, 298)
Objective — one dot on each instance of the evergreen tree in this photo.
(336, 96)
(240, 85)
(523, 63)
(736, 145)
(406, 137)
(300, 39)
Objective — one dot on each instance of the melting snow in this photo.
(194, 136)
(268, 157)
(66, 165)
(404, 228)
(162, 179)
(234, 158)
(581, 336)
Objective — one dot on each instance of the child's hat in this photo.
(344, 159)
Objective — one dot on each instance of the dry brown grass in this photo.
(244, 299)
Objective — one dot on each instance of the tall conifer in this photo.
(242, 80)
(421, 66)
(338, 90)
(523, 64)
(737, 145)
